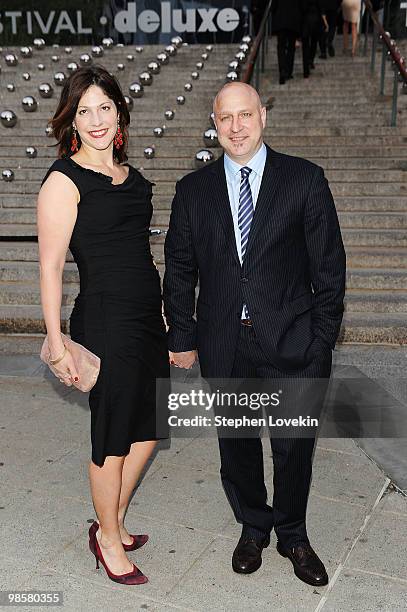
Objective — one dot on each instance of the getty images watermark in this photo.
(222, 402)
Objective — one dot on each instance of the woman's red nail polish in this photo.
(76, 379)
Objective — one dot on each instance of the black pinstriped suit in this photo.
(292, 281)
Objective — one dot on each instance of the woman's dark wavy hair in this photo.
(74, 88)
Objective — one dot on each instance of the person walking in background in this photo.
(351, 15)
(314, 23)
(96, 203)
(286, 22)
(257, 9)
(330, 9)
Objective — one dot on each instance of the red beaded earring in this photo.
(74, 140)
(118, 139)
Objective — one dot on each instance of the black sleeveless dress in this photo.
(118, 312)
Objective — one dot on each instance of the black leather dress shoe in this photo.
(247, 554)
(331, 50)
(308, 567)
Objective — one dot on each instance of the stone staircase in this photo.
(335, 119)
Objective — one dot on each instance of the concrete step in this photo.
(21, 344)
(375, 278)
(374, 328)
(354, 220)
(378, 302)
(384, 257)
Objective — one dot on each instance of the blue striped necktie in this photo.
(245, 215)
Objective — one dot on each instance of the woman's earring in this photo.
(74, 140)
(118, 139)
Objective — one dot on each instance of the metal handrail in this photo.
(259, 44)
(390, 50)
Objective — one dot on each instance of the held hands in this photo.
(183, 360)
(65, 368)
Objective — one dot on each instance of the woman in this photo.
(351, 15)
(101, 208)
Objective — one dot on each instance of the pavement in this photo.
(357, 513)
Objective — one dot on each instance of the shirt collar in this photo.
(256, 163)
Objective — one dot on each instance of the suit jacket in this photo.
(292, 278)
(287, 15)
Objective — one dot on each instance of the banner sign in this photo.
(136, 22)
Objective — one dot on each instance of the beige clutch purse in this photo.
(88, 364)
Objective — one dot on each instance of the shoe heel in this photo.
(97, 562)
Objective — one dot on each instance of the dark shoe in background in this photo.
(308, 567)
(331, 51)
(247, 554)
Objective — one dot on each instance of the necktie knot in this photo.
(245, 171)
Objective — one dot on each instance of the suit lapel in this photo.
(265, 202)
(222, 205)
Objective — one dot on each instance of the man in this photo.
(330, 8)
(260, 230)
(287, 23)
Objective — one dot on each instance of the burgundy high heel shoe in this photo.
(136, 576)
(138, 540)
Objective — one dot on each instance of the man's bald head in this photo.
(239, 89)
(240, 119)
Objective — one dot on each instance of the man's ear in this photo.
(263, 113)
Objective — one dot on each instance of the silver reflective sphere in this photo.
(39, 43)
(31, 152)
(130, 57)
(154, 67)
(139, 49)
(10, 87)
(203, 157)
(188, 87)
(7, 175)
(205, 56)
(241, 57)
(149, 152)
(119, 45)
(48, 131)
(68, 50)
(195, 75)
(107, 42)
(244, 47)
(41, 66)
(26, 51)
(29, 104)
(26, 76)
(209, 48)
(232, 76)
(180, 100)
(55, 58)
(97, 51)
(176, 41)
(8, 118)
(171, 50)
(11, 59)
(210, 137)
(163, 58)
(59, 78)
(120, 66)
(55, 46)
(199, 65)
(247, 39)
(72, 66)
(85, 59)
(159, 132)
(234, 65)
(45, 90)
(136, 90)
(146, 78)
(129, 102)
(169, 114)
